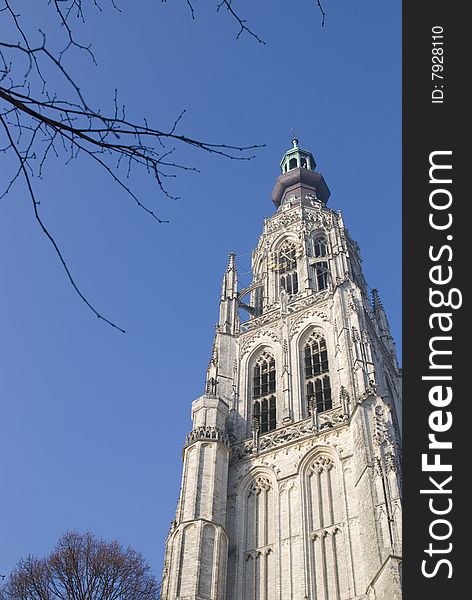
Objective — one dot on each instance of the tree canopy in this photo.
(82, 567)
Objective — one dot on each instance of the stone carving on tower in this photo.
(291, 473)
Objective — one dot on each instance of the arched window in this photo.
(319, 247)
(319, 268)
(263, 393)
(292, 163)
(318, 386)
(320, 275)
(287, 267)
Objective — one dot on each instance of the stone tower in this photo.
(291, 473)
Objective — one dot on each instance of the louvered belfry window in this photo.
(320, 267)
(287, 267)
(318, 386)
(263, 393)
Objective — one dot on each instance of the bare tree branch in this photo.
(323, 14)
(44, 117)
(35, 202)
(228, 4)
(44, 114)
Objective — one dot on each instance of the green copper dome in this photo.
(296, 158)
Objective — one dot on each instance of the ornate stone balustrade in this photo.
(324, 421)
(207, 433)
(298, 302)
(331, 418)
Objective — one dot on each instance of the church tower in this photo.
(291, 472)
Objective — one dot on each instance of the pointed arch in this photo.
(252, 346)
(318, 245)
(315, 370)
(262, 389)
(257, 515)
(286, 251)
(318, 452)
(283, 238)
(320, 472)
(319, 253)
(286, 259)
(264, 382)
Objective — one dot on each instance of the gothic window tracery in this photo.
(324, 528)
(319, 246)
(287, 268)
(258, 557)
(320, 266)
(321, 275)
(263, 393)
(317, 381)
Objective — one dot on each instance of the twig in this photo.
(242, 22)
(323, 14)
(48, 234)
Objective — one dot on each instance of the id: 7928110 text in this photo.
(437, 64)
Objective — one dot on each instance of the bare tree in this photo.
(45, 115)
(81, 567)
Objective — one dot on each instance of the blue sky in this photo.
(92, 421)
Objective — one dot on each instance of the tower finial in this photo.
(229, 302)
(294, 138)
(231, 263)
(229, 289)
